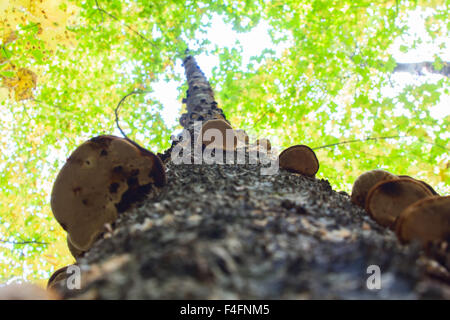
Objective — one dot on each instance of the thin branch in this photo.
(419, 68)
(52, 105)
(116, 111)
(261, 117)
(358, 140)
(124, 24)
(98, 8)
(23, 242)
(375, 139)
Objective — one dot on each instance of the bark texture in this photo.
(227, 232)
(200, 102)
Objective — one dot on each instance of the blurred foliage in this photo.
(64, 65)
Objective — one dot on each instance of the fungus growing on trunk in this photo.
(299, 159)
(73, 250)
(102, 178)
(57, 277)
(214, 135)
(426, 220)
(422, 182)
(365, 182)
(387, 199)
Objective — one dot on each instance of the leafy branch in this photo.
(101, 10)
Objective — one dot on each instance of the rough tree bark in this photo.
(226, 231)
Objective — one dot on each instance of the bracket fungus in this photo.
(299, 159)
(422, 182)
(365, 182)
(102, 178)
(57, 277)
(426, 220)
(73, 250)
(387, 199)
(214, 135)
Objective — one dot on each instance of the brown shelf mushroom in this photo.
(422, 182)
(387, 199)
(57, 277)
(102, 178)
(215, 142)
(299, 159)
(365, 182)
(426, 220)
(73, 250)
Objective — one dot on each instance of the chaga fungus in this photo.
(426, 220)
(422, 182)
(213, 135)
(387, 199)
(365, 182)
(102, 178)
(299, 159)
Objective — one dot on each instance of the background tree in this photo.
(66, 64)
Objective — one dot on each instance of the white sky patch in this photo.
(428, 48)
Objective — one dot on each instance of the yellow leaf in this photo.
(9, 36)
(26, 82)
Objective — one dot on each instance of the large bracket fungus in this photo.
(214, 135)
(365, 182)
(426, 220)
(387, 199)
(73, 250)
(57, 277)
(422, 182)
(299, 159)
(102, 178)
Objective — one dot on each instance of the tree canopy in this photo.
(326, 81)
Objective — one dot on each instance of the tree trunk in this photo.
(227, 231)
(420, 67)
